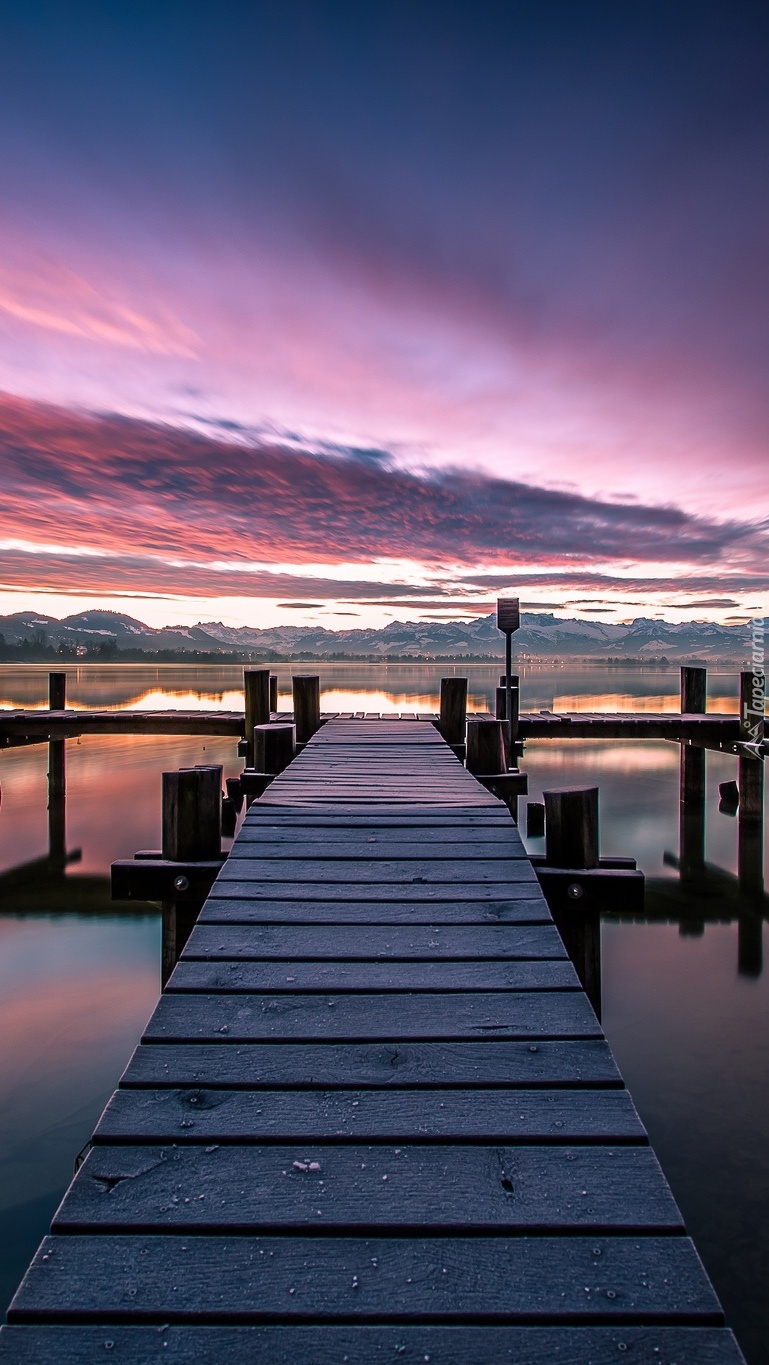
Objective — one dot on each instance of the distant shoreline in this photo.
(174, 658)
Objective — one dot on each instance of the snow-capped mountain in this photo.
(542, 635)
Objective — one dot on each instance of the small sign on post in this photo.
(508, 614)
(508, 620)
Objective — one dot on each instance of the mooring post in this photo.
(694, 690)
(511, 691)
(273, 693)
(274, 747)
(256, 683)
(57, 691)
(571, 827)
(535, 819)
(750, 779)
(692, 778)
(486, 749)
(209, 812)
(191, 833)
(453, 716)
(306, 690)
(572, 841)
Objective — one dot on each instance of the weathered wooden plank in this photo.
(305, 797)
(521, 884)
(367, 942)
(204, 1116)
(371, 850)
(356, 1018)
(385, 871)
(289, 977)
(461, 1189)
(327, 1345)
(244, 903)
(397, 1065)
(254, 834)
(176, 1279)
(291, 818)
(321, 797)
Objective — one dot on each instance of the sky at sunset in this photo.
(338, 313)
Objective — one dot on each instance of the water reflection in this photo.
(74, 995)
(357, 687)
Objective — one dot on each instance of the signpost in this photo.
(508, 620)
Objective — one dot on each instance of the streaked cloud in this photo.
(152, 507)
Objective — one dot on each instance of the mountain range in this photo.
(541, 635)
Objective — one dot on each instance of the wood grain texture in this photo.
(286, 1345)
(201, 1115)
(354, 1018)
(367, 942)
(372, 849)
(389, 1065)
(177, 1279)
(255, 833)
(387, 871)
(458, 1189)
(289, 977)
(245, 904)
(339, 816)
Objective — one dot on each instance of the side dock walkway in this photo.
(373, 1117)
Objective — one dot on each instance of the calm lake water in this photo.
(80, 976)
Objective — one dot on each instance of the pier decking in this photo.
(373, 1116)
(39, 726)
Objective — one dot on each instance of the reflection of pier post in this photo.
(57, 792)
(692, 778)
(750, 945)
(57, 778)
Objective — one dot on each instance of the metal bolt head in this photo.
(183, 884)
(574, 891)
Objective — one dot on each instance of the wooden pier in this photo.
(373, 1116)
(38, 727)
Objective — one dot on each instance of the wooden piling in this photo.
(515, 704)
(306, 690)
(752, 703)
(572, 841)
(192, 814)
(209, 811)
(453, 715)
(273, 693)
(513, 687)
(57, 691)
(571, 827)
(486, 750)
(274, 747)
(692, 779)
(256, 682)
(191, 832)
(535, 819)
(750, 826)
(694, 687)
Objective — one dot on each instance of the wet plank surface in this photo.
(373, 1115)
